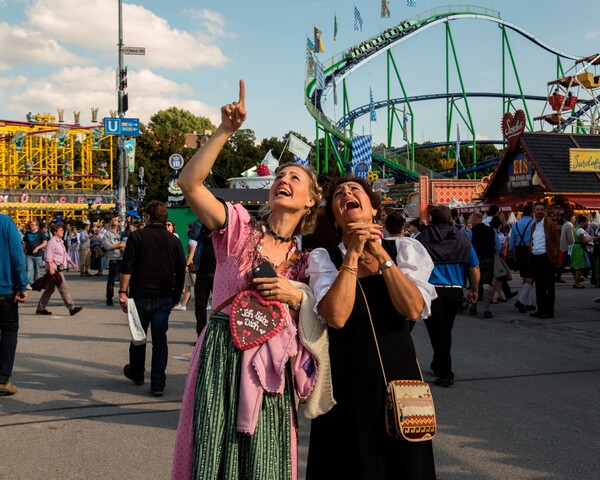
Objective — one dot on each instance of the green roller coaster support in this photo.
(514, 66)
(317, 148)
(393, 113)
(451, 104)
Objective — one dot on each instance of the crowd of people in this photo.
(367, 277)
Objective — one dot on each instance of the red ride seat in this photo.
(556, 101)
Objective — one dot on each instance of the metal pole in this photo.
(121, 141)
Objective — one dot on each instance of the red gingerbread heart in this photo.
(254, 320)
(513, 127)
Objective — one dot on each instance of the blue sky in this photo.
(63, 54)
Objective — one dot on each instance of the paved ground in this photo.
(524, 405)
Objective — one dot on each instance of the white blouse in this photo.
(412, 259)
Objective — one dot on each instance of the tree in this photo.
(238, 154)
(163, 136)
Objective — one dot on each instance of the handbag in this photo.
(501, 270)
(138, 336)
(409, 409)
(42, 282)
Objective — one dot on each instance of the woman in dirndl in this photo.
(365, 278)
(230, 424)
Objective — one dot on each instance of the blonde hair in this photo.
(308, 222)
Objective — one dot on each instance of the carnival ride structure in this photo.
(51, 167)
(397, 158)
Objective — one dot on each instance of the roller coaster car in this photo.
(558, 102)
(588, 80)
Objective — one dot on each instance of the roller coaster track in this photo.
(346, 63)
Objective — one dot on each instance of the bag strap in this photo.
(375, 337)
(229, 301)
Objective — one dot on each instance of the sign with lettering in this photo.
(520, 173)
(584, 160)
(176, 161)
(122, 126)
(254, 320)
(512, 127)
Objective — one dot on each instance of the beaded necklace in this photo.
(275, 235)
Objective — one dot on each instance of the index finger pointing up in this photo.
(242, 92)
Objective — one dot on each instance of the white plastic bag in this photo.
(138, 336)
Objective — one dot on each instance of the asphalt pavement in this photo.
(524, 404)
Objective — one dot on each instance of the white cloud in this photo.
(76, 22)
(22, 46)
(211, 22)
(591, 34)
(80, 88)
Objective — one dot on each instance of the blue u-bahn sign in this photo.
(129, 127)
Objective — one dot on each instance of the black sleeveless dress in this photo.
(350, 441)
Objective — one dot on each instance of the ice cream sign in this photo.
(521, 174)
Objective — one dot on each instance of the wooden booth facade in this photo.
(561, 169)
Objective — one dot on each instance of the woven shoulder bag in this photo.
(409, 411)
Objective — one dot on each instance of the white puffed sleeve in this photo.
(322, 273)
(414, 262)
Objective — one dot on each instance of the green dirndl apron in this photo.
(220, 452)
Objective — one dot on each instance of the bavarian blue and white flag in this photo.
(362, 150)
(372, 106)
(320, 72)
(358, 21)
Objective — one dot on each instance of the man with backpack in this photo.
(518, 246)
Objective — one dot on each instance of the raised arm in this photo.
(203, 203)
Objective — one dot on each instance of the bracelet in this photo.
(296, 308)
(348, 268)
(123, 291)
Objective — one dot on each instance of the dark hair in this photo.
(373, 197)
(156, 211)
(527, 210)
(493, 210)
(440, 214)
(417, 224)
(539, 203)
(55, 227)
(495, 222)
(394, 222)
(581, 219)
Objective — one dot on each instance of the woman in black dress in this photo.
(351, 441)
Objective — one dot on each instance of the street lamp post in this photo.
(122, 108)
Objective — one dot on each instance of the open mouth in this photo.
(351, 204)
(283, 191)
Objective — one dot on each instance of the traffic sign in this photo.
(129, 127)
(134, 50)
(176, 161)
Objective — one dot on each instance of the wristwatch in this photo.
(385, 265)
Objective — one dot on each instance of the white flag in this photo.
(298, 147)
(271, 162)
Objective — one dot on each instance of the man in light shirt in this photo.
(567, 239)
(545, 244)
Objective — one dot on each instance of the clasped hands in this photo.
(364, 237)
